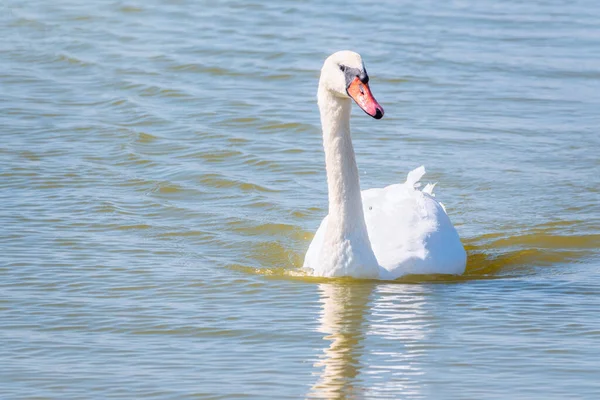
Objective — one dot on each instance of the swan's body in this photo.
(378, 233)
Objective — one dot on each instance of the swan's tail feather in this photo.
(429, 189)
(415, 176)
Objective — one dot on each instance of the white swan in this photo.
(379, 233)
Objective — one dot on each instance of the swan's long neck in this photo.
(345, 203)
(347, 240)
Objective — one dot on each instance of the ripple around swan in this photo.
(489, 257)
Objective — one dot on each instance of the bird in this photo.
(380, 233)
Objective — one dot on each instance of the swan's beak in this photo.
(361, 94)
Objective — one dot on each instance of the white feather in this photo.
(377, 233)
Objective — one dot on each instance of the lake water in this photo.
(162, 174)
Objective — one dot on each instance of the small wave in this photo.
(219, 181)
(202, 69)
(490, 256)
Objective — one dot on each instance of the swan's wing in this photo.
(410, 231)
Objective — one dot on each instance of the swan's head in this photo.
(344, 75)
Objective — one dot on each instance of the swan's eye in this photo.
(343, 68)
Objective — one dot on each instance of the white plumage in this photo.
(377, 233)
(409, 231)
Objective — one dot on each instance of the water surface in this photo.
(161, 176)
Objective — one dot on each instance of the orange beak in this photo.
(361, 94)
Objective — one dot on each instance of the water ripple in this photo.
(161, 176)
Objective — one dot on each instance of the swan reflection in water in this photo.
(375, 337)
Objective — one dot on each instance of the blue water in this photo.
(162, 174)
